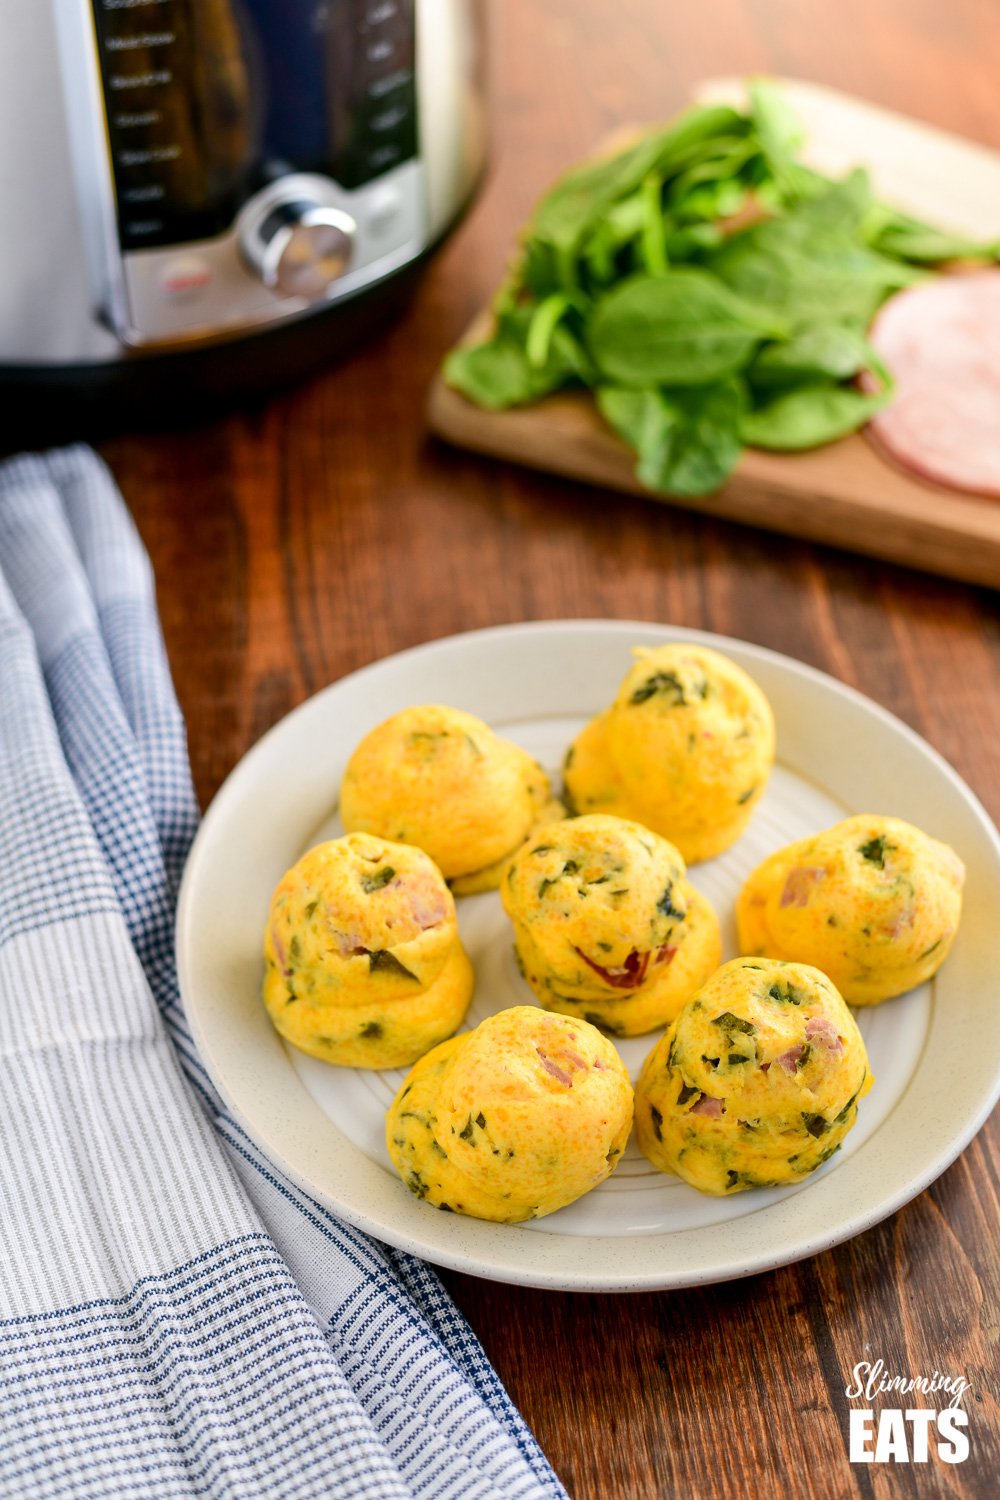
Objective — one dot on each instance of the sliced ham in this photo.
(941, 341)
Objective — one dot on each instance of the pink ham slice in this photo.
(941, 341)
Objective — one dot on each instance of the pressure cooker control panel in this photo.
(264, 155)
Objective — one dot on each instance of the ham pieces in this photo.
(941, 341)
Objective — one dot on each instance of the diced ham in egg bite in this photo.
(513, 1120)
(686, 748)
(363, 964)
(443, 780)
(606, 924)
(873, 902)
(757, 1081)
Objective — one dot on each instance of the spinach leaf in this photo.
(821, 349)
(382, 960)
(840, 206)
(580, 199)
(544, 321)
(688, 441)
(694, 336)
(801, 271)
(777, 127)
(711, 201)
(681, 329)
(811, 414)
(499, 372)
(691, 194)
(653, 242)
(898, 234)
(691, 240)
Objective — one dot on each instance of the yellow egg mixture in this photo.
(363, 965)
(873, 902)
(513, 1120)
(606, 924)
(441, 779)
(756, 1082)
(686, 749)
(757, 1078)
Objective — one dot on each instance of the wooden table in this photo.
(299, 540)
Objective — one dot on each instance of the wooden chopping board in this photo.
(845, 493)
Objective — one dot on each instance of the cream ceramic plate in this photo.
(838, 754)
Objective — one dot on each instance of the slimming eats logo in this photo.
(909, 1433)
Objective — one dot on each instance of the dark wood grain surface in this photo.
(322, 529)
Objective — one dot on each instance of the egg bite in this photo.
(513, 1120)
(756, 1082)
(606, 925)
(363, 964)
(873, 902)
(686, 748)
(441, 779)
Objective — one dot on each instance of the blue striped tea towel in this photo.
(176, 1318)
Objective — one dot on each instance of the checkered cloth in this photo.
(176, 1317)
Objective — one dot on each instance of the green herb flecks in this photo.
(666, 907)
(875, 851)
(842, 1116)
(371, 1031)
(416, 1184)
(383, 961)
(657, 1119)
(599, 1021)
(378, 880)
(816, 1125)
(669, 687)
(728, 1023)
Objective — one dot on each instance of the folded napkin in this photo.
(176, 1317)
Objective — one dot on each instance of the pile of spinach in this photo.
(711, 290)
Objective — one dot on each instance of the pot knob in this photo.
(299, 248)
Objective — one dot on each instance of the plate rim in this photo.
(520, 1270)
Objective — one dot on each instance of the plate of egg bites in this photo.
(597, 955)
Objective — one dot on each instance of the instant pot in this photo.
(202, 196)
